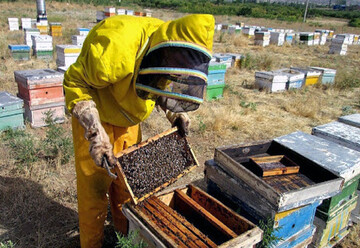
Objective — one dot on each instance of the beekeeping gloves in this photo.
(89, 119)
(180, 120)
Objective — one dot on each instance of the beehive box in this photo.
(262, 38)
(327, 75)
(300, 240)
(28, 32)
(55, 29)
(43, 28)
(67, 54)
(331, 229)
(129, 12)
(295, 79)
(289, 37)
(355, 214)
(25, 23)
(83, 31)
(270, 81)
(353, 120)
(340, 133)
(214, 91)
(312, 183)
(277, 38)
(186, 216)
(13, 23)
(36, 114)
(40, 86)
(311, 76)
(306, 38)
(223, 58)
(78, 40)
(11, 111)
(216, 74)
(20, 52)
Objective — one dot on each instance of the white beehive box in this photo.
(13, 23)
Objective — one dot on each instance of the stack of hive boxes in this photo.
(223, 58)
(311, 76)
(295, 79)
(13, 23)
(234, 29)
(262, 38)
(248, 31)
(42, 92)
(11, 111)
(277, 38)
(109, 11)
(266, 181)
(42, 46)
(339, 44)
(316, 41)
(289, 37)
(129, 12)
(43, 27)
(236, 59)
(354, 120)
(307, 38)
(55, 29)
(20, 52)
(270, 81)
(83, 31)
(332, 216)
(28, 32)
(323, 38)
(79, 39)
(327, 75)
(100, 15)
(121, 11)
(216, 80)
(66, 55)
(25, 23)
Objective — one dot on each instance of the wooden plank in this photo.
(353, 120)
(275, 165)
(230, 165)
(158, 224)
(136, 224)
(178, 230)
(286, 183)
(205, 214)
(227, 216)
(199, 238)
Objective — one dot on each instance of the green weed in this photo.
(252, 62)
(7, 244)
(269, 238)
(57, 143)
(129, 241)
(347, 110)
(251, 105)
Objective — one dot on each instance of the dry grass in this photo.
(38, 203)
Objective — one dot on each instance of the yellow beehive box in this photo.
(42, 28)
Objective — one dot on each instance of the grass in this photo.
(38, 199)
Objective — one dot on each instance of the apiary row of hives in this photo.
(293, 78)
(112, 11)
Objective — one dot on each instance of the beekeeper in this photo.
(127, 66)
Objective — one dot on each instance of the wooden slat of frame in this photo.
(201, 239)
(227, 216)
(159, 224)
(181, 233)
(205, 214)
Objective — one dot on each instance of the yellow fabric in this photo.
(93, 183)
(107, 67)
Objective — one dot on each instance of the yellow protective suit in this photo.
(106, 72)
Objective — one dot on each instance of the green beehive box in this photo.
(11, 111)
(20, 52)
(332, 204)
(44, 54)
(217, 67)
(214, 91)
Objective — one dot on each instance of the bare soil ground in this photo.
(38, 202)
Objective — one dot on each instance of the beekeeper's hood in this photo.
(176, 65)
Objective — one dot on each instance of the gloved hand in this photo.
(89, 119)
(180, 120)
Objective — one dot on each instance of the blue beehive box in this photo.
(11, 111)
(327, 75)
(20, 52)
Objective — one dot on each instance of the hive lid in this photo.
(19, 47)
(150, 166)
(7, 99)
(39, 76)
(353, 120)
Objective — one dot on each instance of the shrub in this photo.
(269, 238)
(354, 22)
(129, 241)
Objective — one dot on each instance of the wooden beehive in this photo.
(353, 120)
(186, 216)
(11, 111)
(40, 86)
(273, 165)
(189, 217)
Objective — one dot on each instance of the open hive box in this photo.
(182, 217)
